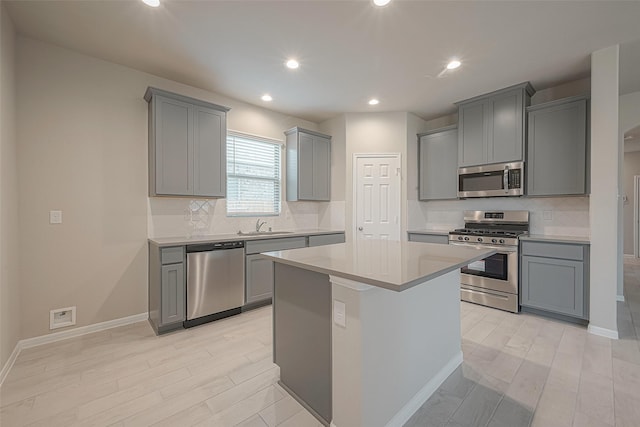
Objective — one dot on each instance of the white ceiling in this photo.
(349, 50)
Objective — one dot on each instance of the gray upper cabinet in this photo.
(558, 148)
(187, 146)
(491, 127)
(308, 165)
(437, 164)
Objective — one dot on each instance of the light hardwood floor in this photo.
(519, 370)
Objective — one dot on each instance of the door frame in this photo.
(636, 216)
(356, 157)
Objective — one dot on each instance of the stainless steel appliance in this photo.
(492, 281)
(215, 281)
(502, 179)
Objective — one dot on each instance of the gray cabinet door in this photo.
(321, 168)
(472, 134)
(172, 294)
(173, 147)
(259, 279)
(438, 165)
(209, 152)
(305, 166)
(557, 149)
(505, 132)
(555, 285)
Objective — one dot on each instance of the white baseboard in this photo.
(603, 332)
(12, 359)
(403, 415)
(83, 330)
(620, 298)
(63, 335)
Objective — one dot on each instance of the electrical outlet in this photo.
(55, 217)
(62, 317)
(339, 313)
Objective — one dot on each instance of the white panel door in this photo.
(377, 188)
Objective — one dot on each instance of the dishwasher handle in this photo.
(207, 247)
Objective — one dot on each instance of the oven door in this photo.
(498, 272)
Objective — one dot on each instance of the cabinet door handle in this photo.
(360, 228)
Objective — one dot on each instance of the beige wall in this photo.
(374, 133)
(9, 244)
(631, 167)
(82, 125)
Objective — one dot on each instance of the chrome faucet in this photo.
(259, 225)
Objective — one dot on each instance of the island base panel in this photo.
(302, 336)
(396, 349)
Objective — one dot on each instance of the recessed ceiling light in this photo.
(293, 64)
(152, 3)
(374, 101)
(453, 64)
(381, 2)
(266, 98)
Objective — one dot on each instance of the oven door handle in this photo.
(481, 245)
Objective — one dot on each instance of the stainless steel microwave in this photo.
(502, 179)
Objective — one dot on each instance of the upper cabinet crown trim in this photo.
(442, 129)
(153, 91)
(561, 101)
(526, 86)
(311, 132)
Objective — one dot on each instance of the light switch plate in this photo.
(55, 217)
(339, 313)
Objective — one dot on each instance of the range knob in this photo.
(459, 237)
(494, 240)
(466, 238)
(501, 240)
(479, 239)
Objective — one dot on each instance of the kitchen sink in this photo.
(262, 233)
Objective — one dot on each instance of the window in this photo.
(253, 176)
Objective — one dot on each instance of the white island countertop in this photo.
(387, 264)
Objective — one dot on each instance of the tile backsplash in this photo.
(559, 216)
(173, 217)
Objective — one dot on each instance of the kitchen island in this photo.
(365, 332)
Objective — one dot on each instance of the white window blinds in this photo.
(253, 176)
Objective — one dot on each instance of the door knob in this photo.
(360, 228)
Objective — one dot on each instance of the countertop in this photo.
(215, 238)
(387, 264)
(427, 231)
(557, 239)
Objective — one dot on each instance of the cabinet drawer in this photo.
(172, 255)
(429, 238)
(326, 239)
(553, 250)
(268, 245)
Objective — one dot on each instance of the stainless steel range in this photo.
(492, 281)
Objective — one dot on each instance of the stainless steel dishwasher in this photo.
(215, 281)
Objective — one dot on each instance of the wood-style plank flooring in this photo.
(518, 370)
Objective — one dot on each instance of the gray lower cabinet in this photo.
(554, 278)
(259, 271)
(429, 238)
(187, 146)
(167, 288)
(491, 127)
(438, 164)
(557, 158)
(259, 279)
(308, 165)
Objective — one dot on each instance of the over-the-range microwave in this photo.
(501, 179)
